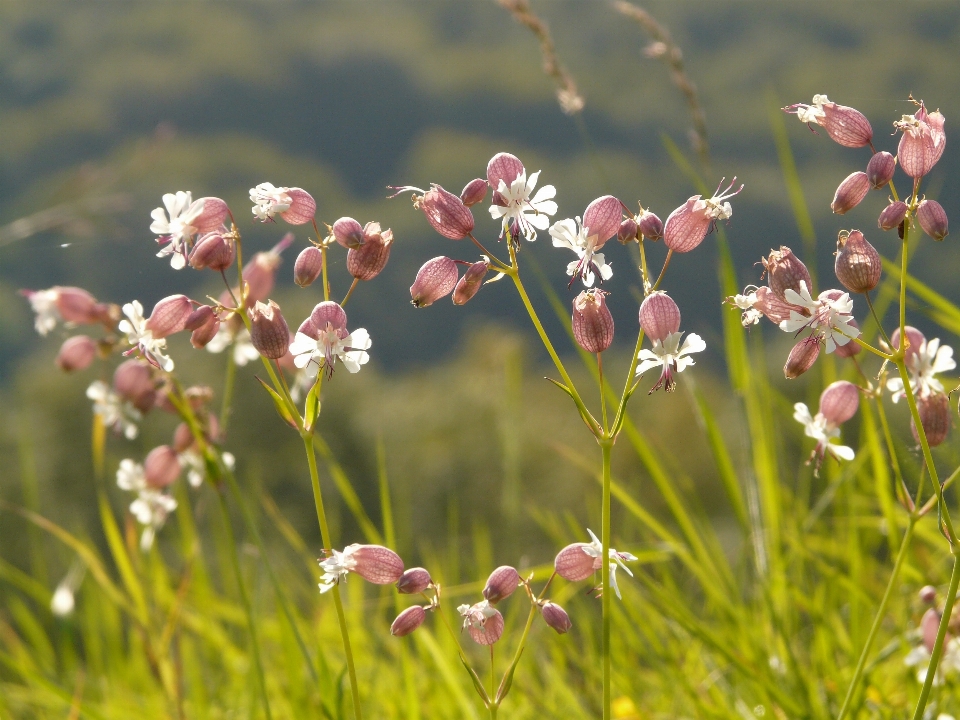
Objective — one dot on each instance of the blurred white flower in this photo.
(930, 360)
(135, 326)
(595, 550)
(175, 226)
(243, 349)
(115, 412)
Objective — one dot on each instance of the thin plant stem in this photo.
(486, 252)
(323, 264)
(245, 599)
(349, 292)
(888, 438)
(493, 687)
(603, 400)
(663, 270)
(876, 318)
(228, 382)
(938, 645)
(878, 619)
(644, 273)
(605, 448)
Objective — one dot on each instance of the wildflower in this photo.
(151, 348)
(408, 621)
(373, 563)
(922, 143)
(260, 273)
(348, 232)
(595, 550)
(934, 411)
(688, 225)
(511, 198)
(161, 467)
(176, 226)
(671, 356)
(785, 271)
(113, 410)
(471, 282)
(880, 169)
(591, 322)
(446, 212)
(70, 305)
(747, 302)
(204, 324)
(169, 316)
(151, 509)
(838, 403)
(474, 192)
(925, 359)
(368, 260)
(556, 617)
(627, 232)
(483, 621)
(76, 353)
(919, 656)
(307, 267)
(234, 334)
(501, 584)
(844, 125)
(413, 581)
(850, 193)
(133, 381)
(659, 316)
(294, 205)
(436, 279)
(63, 601)
(192, 461)
(933, 219)
(572, 234)
(215, 250)
(649, 225)
(323, 338)
(858, 265)
(268, 330)
(803, 355)
(829, 316)
(892, 215)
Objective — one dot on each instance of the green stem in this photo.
(878, 619)
(605, 448)
(603, 400)
(493, 687)
(534, 607)
(876, 318)
(245, 599)
(938, 645)
(349, 292)
(663, 270)
(228, 382)
(645, 275)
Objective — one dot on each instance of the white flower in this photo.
(269, 200)
(829, 317)
(595, 550)
(135, 326)
(337, 566)
(476, 615)
(671, 356)
(44, 304)
(528, 213)
(919, 657)
(930, 360)
(823, 431)
(243, 349)
(151, 509)
(812, 113)
(115, 412)
(572, 235)
(131, 477)
(746, 302)
(196, 469)
(175, 226)
(351, 350)
(63, 601)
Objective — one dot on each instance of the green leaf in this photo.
(311, 409)
(478, 686)
(279, 404)
(507, 681)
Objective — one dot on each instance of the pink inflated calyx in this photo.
(408, 621)
(773, 307)
(161, 467)
(213, 215)
(269, 333)
(414, 581)
(880, 169)
(308, 266)
(785, 271)
(839, 401)
(850, 193)
(302, 207)
(326, 316)
(487, 631)
(474, 192)
(505, 167)
(922, 143)
(203, 324)
(602, 219)
(260, 273)
(846, 126)
(915, 339)
(627, 232)
(376, 564)
(76, 353)
(169, 316)
(76, 305)
(857, 265)
(368, 260)
(592, 322)
(934, 411)
(213, 250)
(659, 316)
(471, 282)
(892, 215)
(556, 617)
(501, 584)
(133, 381)
(573, 563)
(650, 226)
(933, 219)
(802, 357)
(447, 213)
(688, 225)
(436, 279)
(348, 232)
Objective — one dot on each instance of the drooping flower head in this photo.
(176, 226)
(294, 205)
(669, 354)
(844, 125)
(323, 338)
(594, 549)
(688, 225)
(922, 143)
(374, 563)
(829, 316)
(838, 403)
(925, 359)
(69, 305)
(512, 201)
(483, 621)
(141, 338)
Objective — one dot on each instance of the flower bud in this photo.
(880, 169)
(474, 192)
(199, 317)
(182, 438)
(436, 279)
(851, 348)
(161, 467)
(268, 330)
(503, 166)
(302, 207)
(628, 231)
(802, 357)
(501, 584)
(324, 314)
(934, 411)
(573, 564)
(651, 227)
(839, 401)
(850, 192)
(846, 126)
(556, 617)
(408, 621)
(204, 325)
(933, 219)
(489, 632)
(414, 581)
(922, 143)
(858, 264)
(213, 251)
(602, 219)
(260, 273)
(786, 271)
(308, 266)
(929, 627)
(76, 305)
(471, 282)
(366, 261)
(133, 381)
(76, 353)
(659, 316)
(892, 215)
(928, 595)
(915, 339)
(447, 213)
(348, 232)
(377, 564)
(592, 322)
(169, 316)
(212, 216)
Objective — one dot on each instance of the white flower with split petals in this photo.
(930, 360)
(44, 304)
(175, 226)
(323, 352)
(269, 200)
(115, 412)
(337, 567)
(530, 214)
(812, 113)
(823, 431)
(135, 326)
(830, 315)
(151, 508)
(747, 303)
(131, 476)
(572, 235)
(239, 339)
(595, 550)
(476, 616)
(671, 356)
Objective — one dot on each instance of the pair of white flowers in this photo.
(151, 506)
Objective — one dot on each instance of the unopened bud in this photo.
(169, 316)
(213, 251)
(377, 564)
(839, 401)
(474, 192)
(348, 232)
(204, 324)
(161, 467)
(182, 437)
(592, 322)
(212, 216)
(436, 279)
(786, 271)
(851, 191)
(133, 381)
(501, 584)
(802, 357)
(929, 627)
(934, 411)
(76, 353)
(198, 317)
(650, 226)
(556, 617)
(851, 348)
(892, 215)
(260, 273)
(602, 219)
(846, 126)
(366, 261)
(915, 339)
(659, 316)
(933, 219)
(880, 169)
(408, 621)
(447, 213)
(324, 314)
(573, 564)
(76, 305)
(928, 595)
(858, 264)
(414, 581)
(627, 232)
(302, 207)
(268, 330)
(471, 282)
(308, 266)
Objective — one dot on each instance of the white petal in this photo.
(648, 364)
(540, 222)
(693, 343)
(841, 452)
(545, 207)
(801, 413)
